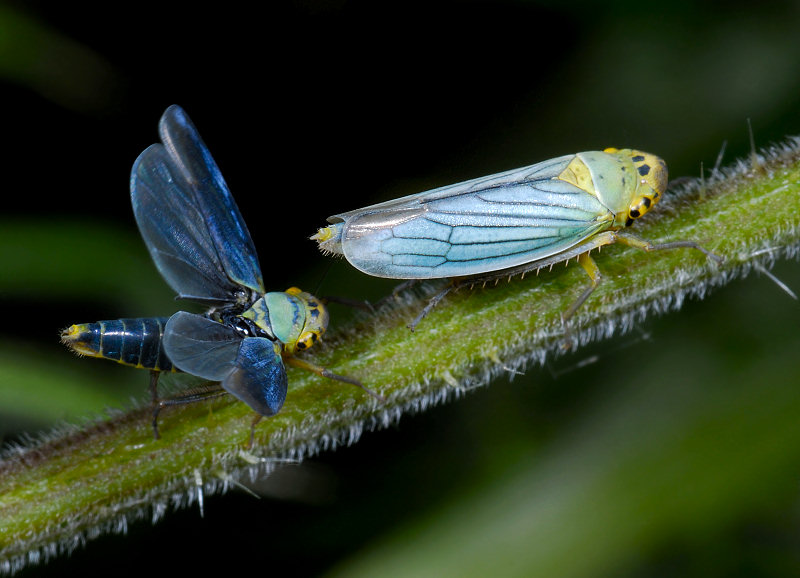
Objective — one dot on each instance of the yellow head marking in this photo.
(652, 174)
(316, 321)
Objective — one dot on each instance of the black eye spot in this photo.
(301, 345)
(637, 158)
(634, 214)
(644, 169)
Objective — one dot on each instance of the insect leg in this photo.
(253, 425)
(593, 271)
(154, 401)
(633, 241)
(393, 296)
(366, 305)
(430, 305)
(209, 391)
(324, 372)
(405, 285)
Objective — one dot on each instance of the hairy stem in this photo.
(79, 482)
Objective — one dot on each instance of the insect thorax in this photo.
(245, 326)
(628, 182)
(295, 318)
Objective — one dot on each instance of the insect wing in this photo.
(250, 368)
(487, 224)
(225, 224)
(202, 347)
(259, 378)
(188, 218)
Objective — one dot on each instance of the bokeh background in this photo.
(672, 451)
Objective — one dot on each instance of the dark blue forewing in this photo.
(259, 379)
(188, 218)
(249, 368)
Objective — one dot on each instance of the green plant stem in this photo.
(78, 482)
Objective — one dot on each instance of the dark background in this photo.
(313, 108)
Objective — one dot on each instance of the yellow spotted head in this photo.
(316, 321)
(652, 175)
(295, 318)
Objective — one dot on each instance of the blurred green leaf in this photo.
(35, 394)
(35, 55)
(81, 260)
(53, 261)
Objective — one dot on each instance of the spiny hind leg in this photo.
(368, 306)
(202, 393)
(432, 302)
(154, 401)
(393, 297)
(630, 240)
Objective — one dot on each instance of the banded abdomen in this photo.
(136, 342)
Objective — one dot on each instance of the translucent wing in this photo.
(487, 224)
(188, 218)
(249, 368)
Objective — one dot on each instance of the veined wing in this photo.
(250, 368)
(188, 218)
(530, 174)
(260, 378)
(485, 225)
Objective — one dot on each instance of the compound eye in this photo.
(640, 207)
(306, 340)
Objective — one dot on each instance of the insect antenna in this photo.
(349, 302)
(323, 276)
